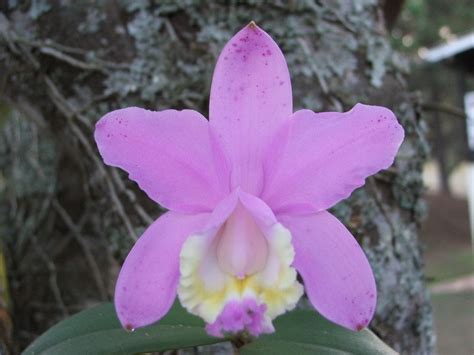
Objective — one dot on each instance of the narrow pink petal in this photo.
(168, 153)
(250, 98)
(147, 284)
(327, 156)
(337, 276)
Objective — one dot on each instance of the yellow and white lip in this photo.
(241, 259)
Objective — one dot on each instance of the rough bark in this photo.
(68, 220)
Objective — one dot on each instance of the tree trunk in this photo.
(68, 221)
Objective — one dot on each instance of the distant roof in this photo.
(458, 53)
(450, 49)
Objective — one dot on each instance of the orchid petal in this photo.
(337, 276)
(148, 280)
(327, 156)
(168, 153)
(250, 98)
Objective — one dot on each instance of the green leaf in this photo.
(306, 332)
(98, 331)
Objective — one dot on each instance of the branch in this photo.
(63, 105)
(17, 44)
(53, 278)
(448, 109)
(76, 232)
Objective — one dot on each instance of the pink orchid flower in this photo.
(247, 193)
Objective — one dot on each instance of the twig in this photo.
(339, 19)
(70, 60)
(62, 104)
(94, 100)
(76, 232)
(53, 279)
(306, 50)
(69, 113)
(113, 192)
(379, 202)
(61, 47)
(147, 219)
(50, 48)
(450, 110)
(171, 30)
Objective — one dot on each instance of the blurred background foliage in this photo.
(424, 24)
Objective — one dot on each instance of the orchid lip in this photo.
(244, 260)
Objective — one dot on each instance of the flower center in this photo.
(237, 275)
(242, 248)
